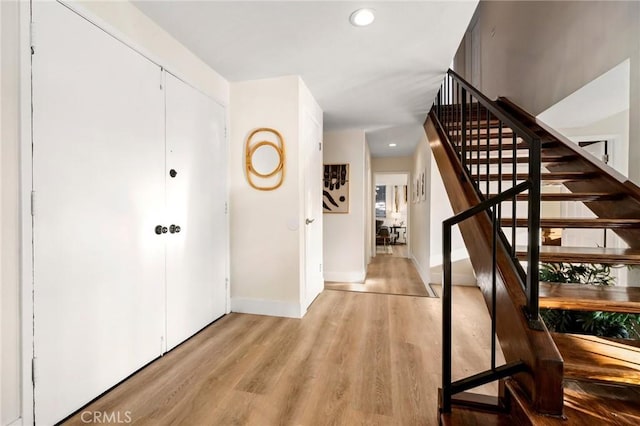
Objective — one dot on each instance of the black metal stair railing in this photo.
(484, 136)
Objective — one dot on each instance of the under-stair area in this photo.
(500, 167)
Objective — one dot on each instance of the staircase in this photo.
(497, 163)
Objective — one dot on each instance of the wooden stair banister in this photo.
(519, 341)
(482, 146)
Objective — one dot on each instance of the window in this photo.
(381, 201)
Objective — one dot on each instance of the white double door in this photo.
(110, 294)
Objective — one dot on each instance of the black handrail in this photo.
(449, 387)
(459, 108)
(462, 139)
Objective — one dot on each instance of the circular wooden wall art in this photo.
(265, 159)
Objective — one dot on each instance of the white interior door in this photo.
(314, 282)
(196, 197)
(98, 173)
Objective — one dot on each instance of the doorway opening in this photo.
(391, 209)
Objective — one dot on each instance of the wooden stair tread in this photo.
(570, 222)
(493, 123)
(507, 145)
(520, 160)
(574, 196)
(604, 255)
(548, 177)
(614, 405)
(484, 135)
(598, 359)
(584, 297)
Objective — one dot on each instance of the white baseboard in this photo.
(345, 277)
(274, 308)
(17, 422)
(424, 275)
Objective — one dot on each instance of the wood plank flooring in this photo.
(388, 273)
(355, 358)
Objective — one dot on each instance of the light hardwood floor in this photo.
(354, 359)
(388, 273)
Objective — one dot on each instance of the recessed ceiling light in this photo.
(392, 145)
(362, 17)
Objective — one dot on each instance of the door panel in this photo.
(197, 255)
(99, 180)
(314, 282)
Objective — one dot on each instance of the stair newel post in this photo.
(464, 128)
(533, 258)
(446, 316)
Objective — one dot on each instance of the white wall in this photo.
(599, 109)
(391, 164)
(441, 210)
(10, 389)
(345, 234)
(425, 229)
(126, 22)
(420, 212)
(265, 225)
(462, 272)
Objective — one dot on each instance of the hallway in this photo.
(389, 273)
(353, 359)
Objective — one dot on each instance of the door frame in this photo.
(407, 174)
(26, 283)
(305, 300)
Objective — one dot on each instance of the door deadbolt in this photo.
(161, 229)
(174, 229)
(173, 173)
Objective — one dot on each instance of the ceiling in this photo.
(381, 78)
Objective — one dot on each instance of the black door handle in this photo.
(161, 229)
(174, 229)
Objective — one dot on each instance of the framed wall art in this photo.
(335, 188)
